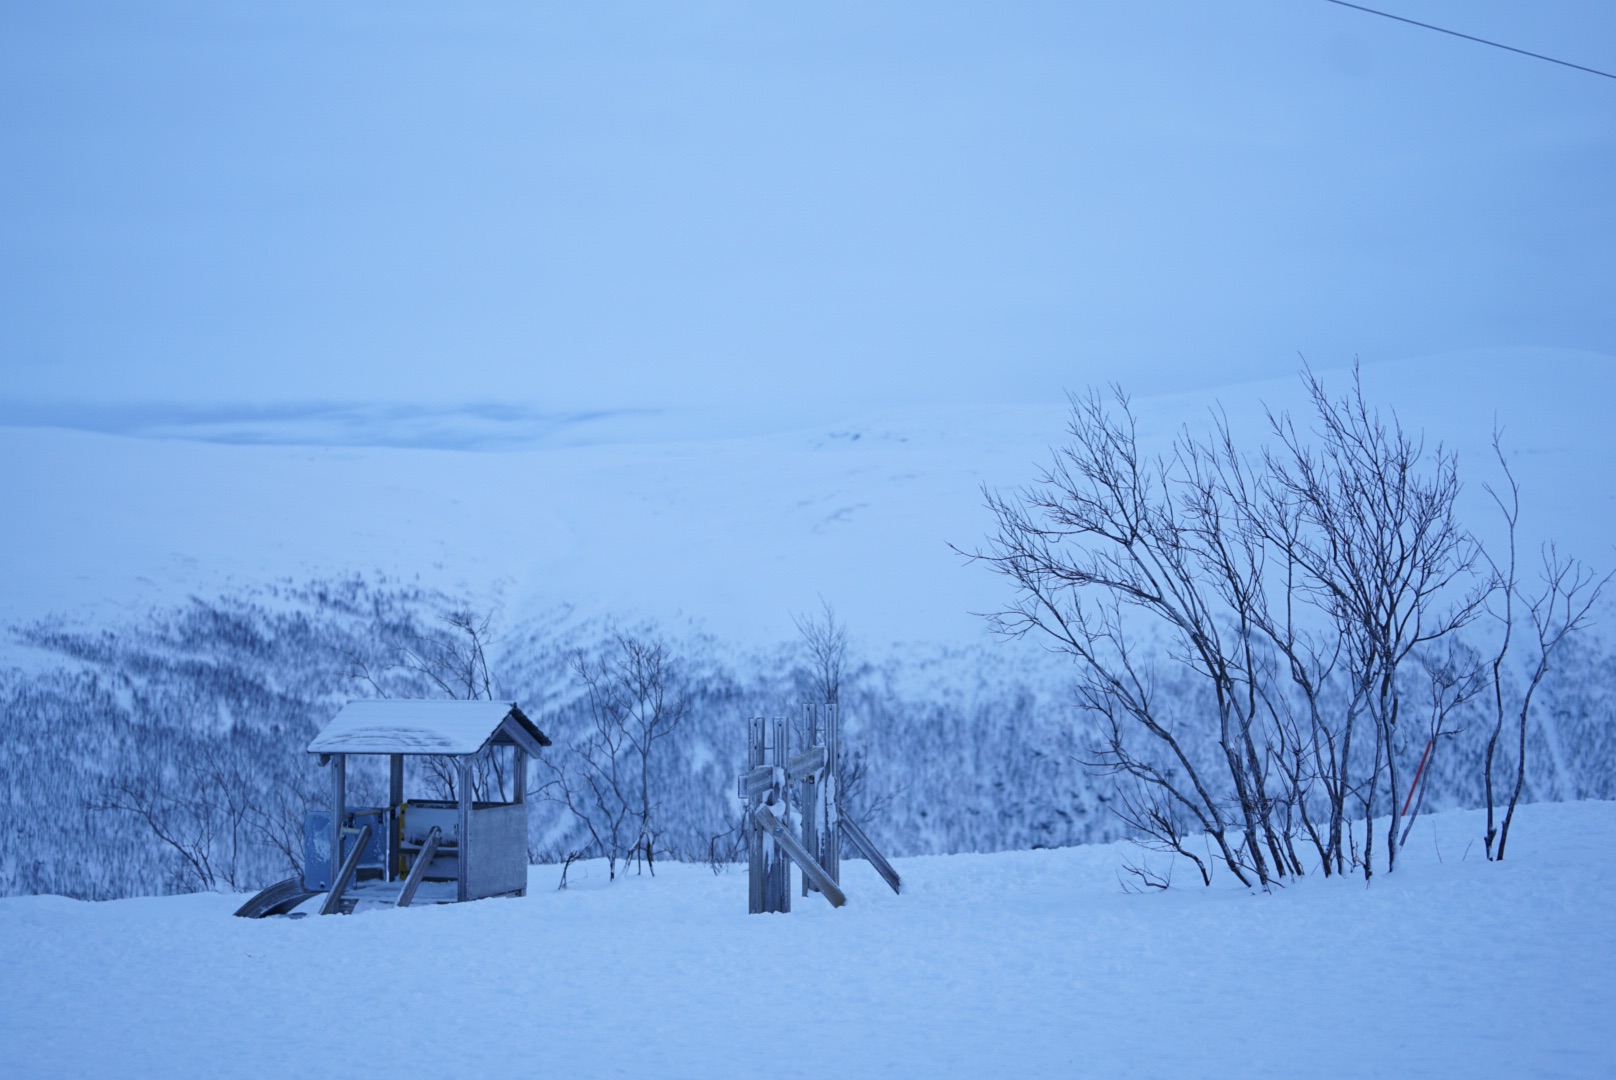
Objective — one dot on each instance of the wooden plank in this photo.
(810, 826)
(519, 771)
(789, 845)
(851, 830)
(418, 871)
(333, 899)
(806, 763)
(756, 781)
(782, 748)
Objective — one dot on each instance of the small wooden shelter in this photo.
(386, 853)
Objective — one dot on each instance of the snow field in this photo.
(1025, 963)
(726, 534)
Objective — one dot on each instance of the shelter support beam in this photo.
(463, 841)
(339, 806)
(395, 803)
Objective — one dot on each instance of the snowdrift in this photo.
(1029, 963)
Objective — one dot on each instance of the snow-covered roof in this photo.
(396, 726)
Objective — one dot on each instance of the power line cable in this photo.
(1469, 37)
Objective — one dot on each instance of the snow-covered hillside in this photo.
(1027, 964)
(166, 594)
(723, 532)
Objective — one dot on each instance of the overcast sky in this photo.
(764, 207)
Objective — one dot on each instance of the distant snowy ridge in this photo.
(725, 530)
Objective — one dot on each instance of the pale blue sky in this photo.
(761, 209)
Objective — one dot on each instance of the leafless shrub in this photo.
(1557, 611)
(1296, 587)
(605, 779)
(453, 664)
(824, 638)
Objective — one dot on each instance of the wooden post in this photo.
(519, 796)
(395, 820)
(754, 835)
(463, 854)
(777, 871)
(830, 843)
(811, 789)
(339, 803)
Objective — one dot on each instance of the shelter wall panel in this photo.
(499, 850)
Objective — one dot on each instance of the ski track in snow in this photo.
(1026, 963)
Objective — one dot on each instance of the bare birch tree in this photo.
(1557, 611)
(455, 665)
(1297, 588)
(824, 638)
(635, 702)
(1382, 556)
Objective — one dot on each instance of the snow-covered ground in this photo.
(1015, 964)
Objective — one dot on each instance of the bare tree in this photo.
(1098, 538)
(1557, 611)
(634, 703)
(594, 785)
(201, 809)
(824, 637)
(1382, 555)
(1294, 588)
(1455, 676)
(455, 665)
(653, 705)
